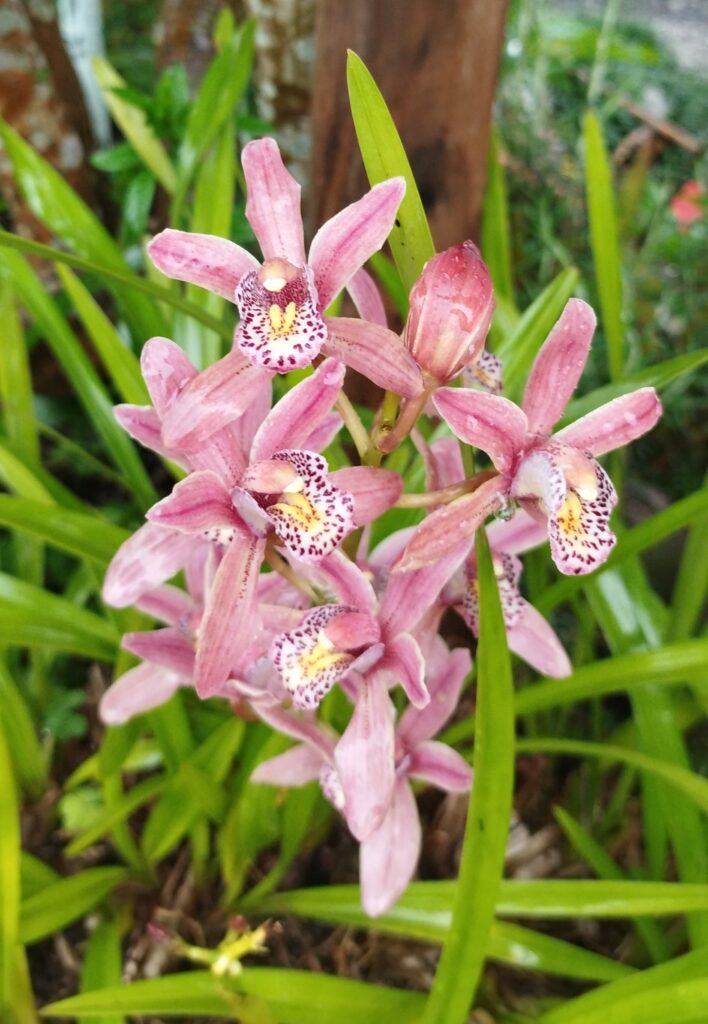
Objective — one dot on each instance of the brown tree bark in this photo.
(436, 63)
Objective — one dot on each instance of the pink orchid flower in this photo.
(390, 840)
(557, 479)
(282, 301)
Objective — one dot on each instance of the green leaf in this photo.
(83, 377)
(691, 586)
(137, 202)
(56, 906)
(32, 617)
(25, 751)
(85, 536)
(604, 239)
(102, 965)
(519, 349)
(35, 874)
(496, 236)
(487, 828)
(118, 812)
(56, 204)
(295, 997)
(16, 380)
(134, 125)
(384, 157)
(9, 877)
(682, 1002)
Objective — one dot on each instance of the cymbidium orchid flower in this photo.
(391, 844)
(282, 301)
(557, 479)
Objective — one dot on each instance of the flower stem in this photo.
(353, 424)
(279, 565)
(446, 494)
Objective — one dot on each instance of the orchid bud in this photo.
(451, 307)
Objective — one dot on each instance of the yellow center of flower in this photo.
(282, 320)
(322, 657)
(300, 510)
(569, 516)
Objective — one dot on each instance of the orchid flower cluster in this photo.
(284, 596)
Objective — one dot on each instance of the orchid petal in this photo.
(299, 412)
(152, 555)
(273, 202)
(404, 661)
(230, 613)
(614, 424)
(302, 728)
(308, 661)
(324, 434)
(344, 244)
(367, 298)
(364, 758)
(212, 400)
(558, 366)
(168, 647)
(516, 535)
(210, 262)
(447, 457)
(444, 686)
(166, 371)
(579, 532)
(389, 856)
(144, 426)
(138, 690)
(199, 504)
(168, 604)
(452, 525)
(484, 372)
(374, 351)
(410, 594)
(346, 581)
(373, 490)
(352, 629)
(440, 766)
(296, 767)
(389, 550)
(534, 640)
(489, 422)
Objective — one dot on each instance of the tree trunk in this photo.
(436, 62)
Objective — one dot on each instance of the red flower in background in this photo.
(689, 204)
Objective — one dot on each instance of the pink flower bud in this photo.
(451, 309)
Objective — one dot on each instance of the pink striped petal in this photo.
(152, 555)
(299, 412)
(215, 398)
(296, 767)
(367, 298)
(168, 647)
(516, 535)
(447, 458)
(140, 689)
(373, 490)
(450, 526)
(345, 579)
(489, 422)
(166, 371)
(614, 424)
(388, 551)
(364, 758)
(375, 352)
(389, 856)
(558, 366)
(273, 202)
(352, 629)
(220, 454)
(444, 686)
(410, 594)
(230, 613)
(323, 435)
(199, 504)
(168, 604)
(300, 727)
(144, 426)
(210, 262)
(404, 662)
(440, 766)
(344, 244)
(533, 639)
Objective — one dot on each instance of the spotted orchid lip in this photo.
(507, 569)
(281, 327)
(309, 663)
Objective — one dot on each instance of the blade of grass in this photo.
(25, 751)
(496, 236)
(102, 965)
(55, 907)
(85, 536)
(9, 878)
(487, 828)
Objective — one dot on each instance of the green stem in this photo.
(446, 494)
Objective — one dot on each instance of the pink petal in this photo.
(168, 647)
(323, 435)
(273, 202)
(444, 686)
(364, 758)
(200, 503)
(220, 454)
(345, 579)
(344, 244)
(533, 639)
(410, 594)
(215, 398)
(211, 262)
(166, 371)
(373, 490)
(367, 298)
(308, 661)
(296, 767)
(579, 531)
(489, 422)
(230, 615)
(441, 766)
(452, 525)
(302, 728)
(614, 424)
(558, 366)
(516, 535)
(388, 551)
(299, 412)
(447, 458)
(375, 352)
(352, 629)
(168, 604)
(152, 555)
(404, 662)
(144, 426)
(140, 689)
(389, 856)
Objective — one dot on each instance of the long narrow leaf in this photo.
(496, 237)
(82, 535)
(55, 907)
(9, 877)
